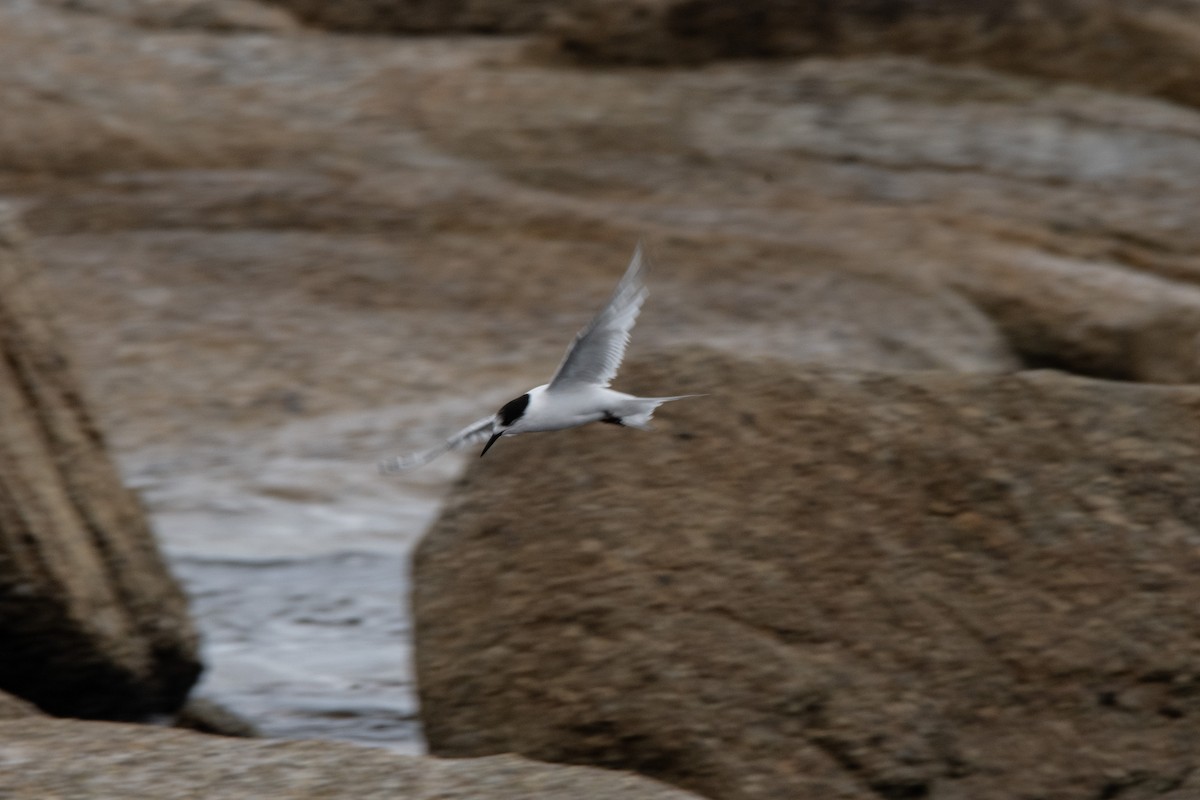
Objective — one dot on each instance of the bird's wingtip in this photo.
(397, 464)
(639, 264)
(639, 250)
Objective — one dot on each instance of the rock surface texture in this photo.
(424, 16)
(218, 16)
(819, 584)
(15, 708)
(43, 758)
(91, 621)
(1140, 46)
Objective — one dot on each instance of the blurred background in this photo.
(284, 240)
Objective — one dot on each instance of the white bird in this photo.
(578, 393)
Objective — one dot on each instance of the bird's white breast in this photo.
(553, 411)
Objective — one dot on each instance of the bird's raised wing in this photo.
(596, 353)
(478, 430)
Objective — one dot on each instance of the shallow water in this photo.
(315, 647)
(295, 553)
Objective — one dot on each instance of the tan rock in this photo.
(91, 621)
(831, 584)
(100, 761)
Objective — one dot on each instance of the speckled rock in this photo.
(43, 758)
(832, 584)
(91, 621)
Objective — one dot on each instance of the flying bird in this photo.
(579, 392)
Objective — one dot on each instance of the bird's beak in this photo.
(491, 442)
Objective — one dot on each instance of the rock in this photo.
(1126, 45)
(819, 583)
(1088, 316)
(221, 16)
(281, 256)
(91, 622)
(15, 708)
(1042, 205)
(42, 758)
(207, 716)
(423, 16)
(119, 99)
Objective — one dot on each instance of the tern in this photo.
(579, 392)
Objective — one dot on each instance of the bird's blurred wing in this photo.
(476, 431)
(596, 353)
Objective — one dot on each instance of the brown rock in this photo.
(15, 708)
(91, 621)
(1088, 316)
(1059, 210)
(1126, 45)
(245, 233)
(118, 99)
(221, 16)
(207, 716)
(832, 584)
(99, 761)
(422, 16)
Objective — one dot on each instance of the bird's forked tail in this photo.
(640, 410)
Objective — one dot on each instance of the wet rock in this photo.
(91, 622)
(1126, 45)
(831, 584)
(97, 761)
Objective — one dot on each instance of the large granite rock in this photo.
(819, 584)
(42, 758)
(1127, 45)
(91, 621)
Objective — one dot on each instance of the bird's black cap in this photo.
(513, 410)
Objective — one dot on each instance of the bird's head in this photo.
(506, 417)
